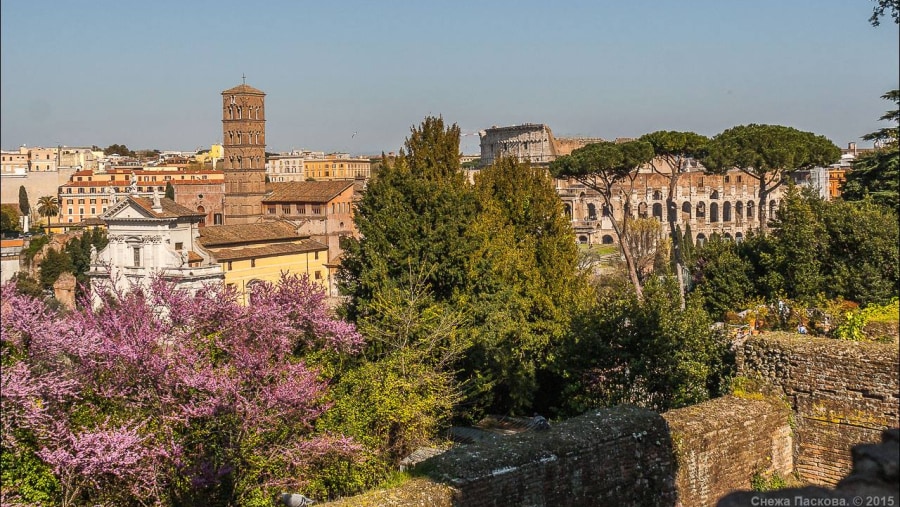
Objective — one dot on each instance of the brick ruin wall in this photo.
(722, 443)
(835, 395)
(841, 393)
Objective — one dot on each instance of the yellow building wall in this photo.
(240, 273)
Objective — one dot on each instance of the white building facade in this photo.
(150, 237)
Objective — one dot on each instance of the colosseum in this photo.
(712, 204)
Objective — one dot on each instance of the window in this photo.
(286, 209)
(301, 208)
(252, 263)
(80, 201)
(137, 256)
(271, 209)
(179, 246)
(93, 201)
(727, 179)
(229, 266)
(317, 255)
(93, 211)
(217, 219)
(316, 209)
(318, 275)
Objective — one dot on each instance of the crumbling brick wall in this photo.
(842, 394)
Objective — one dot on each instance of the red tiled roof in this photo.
(243, 88)
(305, 191)
(170, 208)
(221, 235)
(272, 250)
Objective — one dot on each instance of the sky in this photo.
(356, 76)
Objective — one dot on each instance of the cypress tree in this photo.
(24, 205)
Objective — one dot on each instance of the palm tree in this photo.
(48, 207)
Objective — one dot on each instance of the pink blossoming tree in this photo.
(162, 397)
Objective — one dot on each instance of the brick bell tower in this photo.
(244, 142)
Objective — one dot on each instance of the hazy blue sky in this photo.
(149, 74)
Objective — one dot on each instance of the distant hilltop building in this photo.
(306, 165)
(244, 142)
(531, 142)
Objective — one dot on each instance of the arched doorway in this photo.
(607, 239)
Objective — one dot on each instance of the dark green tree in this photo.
(24, 205)
(523, 283)
(673, 150)
(862, 260)
(881, 6)
(652, 353)
(9, 220)
(721, 277)
(54, 264)
(799, 239)
(768, 154)
(170, 191)
(610, 169)
(877, 174)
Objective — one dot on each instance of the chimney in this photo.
(852, 147)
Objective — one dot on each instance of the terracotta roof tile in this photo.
(305, 191)
(170, 208)
(243, 88)
(221, 235)
(230, 254)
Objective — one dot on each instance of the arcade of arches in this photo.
(712, 204)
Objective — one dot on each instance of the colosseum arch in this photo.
(714, 212)
(686, 211)
(772, 207)
(726, 211)
(749, 210)
(657, 211)
(739, 211)
(592, 211)
(642, 210)
(701, 210)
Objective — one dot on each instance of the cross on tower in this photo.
(243, 78)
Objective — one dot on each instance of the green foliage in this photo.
(414, 213)
(118, 149)
(24, 205)
(769, 154)
(79, 251)
(852, 324)
(650, 353)
(799, 238)
(862, 261)
(35, 246)
(882, 6)
(721, 276)
(48, 207)
(54, 264)
(25, 477)
(522, 283)
(767, 482)
(170, 190)
(9, 221)
(28, 285)
(876, 174)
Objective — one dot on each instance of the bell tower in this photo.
(244, 142)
